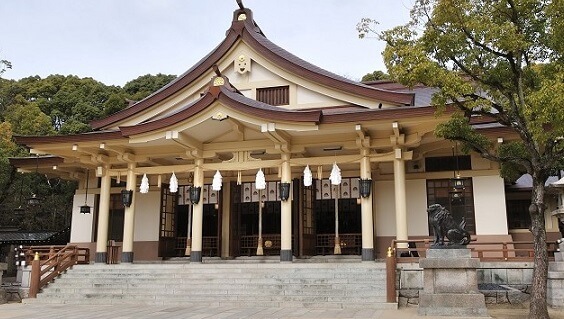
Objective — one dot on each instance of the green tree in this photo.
(27, 119)
(501, 60)
(375, 76)
(145, 85)
(4, 65)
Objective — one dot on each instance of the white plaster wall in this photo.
(247, 93)
(147, 211)
(489, 205)
(305, 96)
(385, 208)
(82, 224)
(260, 73)
(417, 221)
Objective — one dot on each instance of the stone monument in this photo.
(450, 283)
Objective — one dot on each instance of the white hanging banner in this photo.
(260, 181)
(308, 177)
(335, 176)
(173, 185)
(144, 188)
(217, 180)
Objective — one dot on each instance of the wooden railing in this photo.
(351, 244)
(412, 250)
(271, 244)
(43, 271)
(46, 252)
(209, 246)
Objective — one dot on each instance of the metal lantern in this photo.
(458, 183)
(195, 194)
(365, 187)
(33, 200)
(85, 209)
(284, 191)
(126, 197)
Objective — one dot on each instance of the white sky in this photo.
(115, 41)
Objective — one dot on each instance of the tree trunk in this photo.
(538, 308)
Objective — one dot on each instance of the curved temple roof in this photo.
(244, 28)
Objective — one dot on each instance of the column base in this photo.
(127, 257)
(101, 257)
(286, 255)
(367, 254)
(196, 256)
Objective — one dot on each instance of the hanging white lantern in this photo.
(144, 188)
(335, 176)
(260, 182)
(308, 178)
(173, 185)
(216, 183)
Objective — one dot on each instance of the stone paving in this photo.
(57, 311)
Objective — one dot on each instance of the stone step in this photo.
(355, 285)
(329, 290)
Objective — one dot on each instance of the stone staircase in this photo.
(268, 284)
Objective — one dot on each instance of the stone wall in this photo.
(500, 282)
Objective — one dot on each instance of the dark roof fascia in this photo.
(35, 160)
(53, 139)
(266, 111)
(383, 114)
(248, 30)
(187, 112)
(298, 66)
(176, 85)
(230, 99)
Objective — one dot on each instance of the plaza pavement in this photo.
(57, 311)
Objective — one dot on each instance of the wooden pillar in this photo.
(400, 197)
(197, 215)
(103, 217)
(286, 209)
(366, 211)
(129, 217)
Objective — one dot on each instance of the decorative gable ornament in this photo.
(242, 64)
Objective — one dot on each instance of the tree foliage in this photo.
(500, 60)
(53, 105)
(375, 76)
(145, 85)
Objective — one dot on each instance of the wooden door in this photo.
(167, 224)
(306, 220)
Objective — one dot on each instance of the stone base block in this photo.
(452, 305)
(3, 298)
(450, 285)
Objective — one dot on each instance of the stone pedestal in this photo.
(3, 266)
(555, 280)
(450, 285)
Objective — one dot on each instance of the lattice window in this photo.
(459, 202)
(278, 95)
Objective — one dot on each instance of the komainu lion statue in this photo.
(444, 225)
